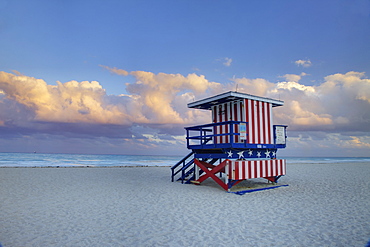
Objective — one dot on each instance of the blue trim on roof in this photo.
(207, 103)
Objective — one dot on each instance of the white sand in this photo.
(324, 205)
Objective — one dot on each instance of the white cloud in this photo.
(162, 96)
(326, 144)
(69, 102)
(340, 104)
(291, 85)
(352, 85)
(304, 117)
(227, 62)
(152, 99)
(259, 86)
(303, 63)
(115, 70)
(294, 77)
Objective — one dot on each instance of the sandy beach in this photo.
(324, 205)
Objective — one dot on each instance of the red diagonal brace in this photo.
(211, 173)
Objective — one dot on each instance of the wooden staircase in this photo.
(186, 167)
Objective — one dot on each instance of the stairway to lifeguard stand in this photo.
(186, 167)
(191, 172)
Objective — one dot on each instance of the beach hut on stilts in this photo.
(240, 143)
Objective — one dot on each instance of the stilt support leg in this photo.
(273, 179)
(233, 182)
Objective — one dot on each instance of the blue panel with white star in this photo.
(240, 154)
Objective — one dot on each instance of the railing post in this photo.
(182, 171)
(201, 136)
(196, 172)
(187, 138)
(231, 133)
(205, 136)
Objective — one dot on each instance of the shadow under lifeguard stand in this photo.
(241, 142)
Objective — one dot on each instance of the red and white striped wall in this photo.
(258, 114)
(231, 111)
(259, 118)
(239, 170)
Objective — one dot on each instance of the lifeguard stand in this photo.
(241, 139)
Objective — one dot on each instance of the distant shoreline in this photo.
(289, 163)
(81, 166)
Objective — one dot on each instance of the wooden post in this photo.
(196, 170)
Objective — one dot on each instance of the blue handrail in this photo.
(181, 162)
(206, 132)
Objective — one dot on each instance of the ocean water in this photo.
(325, 160)
(95, 160)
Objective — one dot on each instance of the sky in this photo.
(115, 77)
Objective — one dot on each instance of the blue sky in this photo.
(298, 51)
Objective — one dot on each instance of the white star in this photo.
(267, 153)
(250, 152)
(229, 154)
(241, 155)
(258, 154)
(273, 154)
